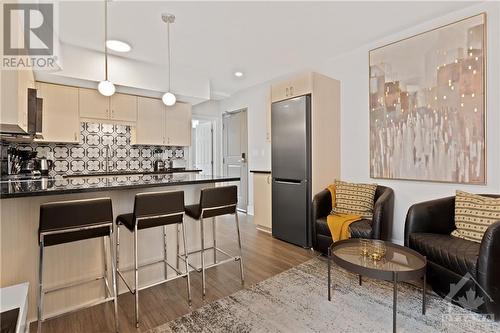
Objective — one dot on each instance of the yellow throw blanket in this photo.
(339, 223)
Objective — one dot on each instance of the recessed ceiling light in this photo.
(118, 46)
(238, 74)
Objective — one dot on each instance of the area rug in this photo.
(296, 301)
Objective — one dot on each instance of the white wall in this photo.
(352, 70)
(255, 99)
(209, 110)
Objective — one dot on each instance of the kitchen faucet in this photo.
(107, 156)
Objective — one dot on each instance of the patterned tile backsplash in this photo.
(89, 155)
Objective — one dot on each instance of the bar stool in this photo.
(215, 202)
(71, 221)
(153, 209)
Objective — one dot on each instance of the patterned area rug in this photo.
(296, 301)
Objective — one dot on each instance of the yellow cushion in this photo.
(355, 199)
(474, 214)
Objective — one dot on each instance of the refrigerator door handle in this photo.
(288, 181)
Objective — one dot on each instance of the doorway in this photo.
(234, 152)
(202, 150)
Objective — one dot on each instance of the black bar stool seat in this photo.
(215, 202)
(193, 211)
(128, 221)
(153, 209)
(57, 218)
(76, 220)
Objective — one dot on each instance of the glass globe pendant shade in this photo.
(106, 88)
(168, 99)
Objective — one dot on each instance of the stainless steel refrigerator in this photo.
(291, 170)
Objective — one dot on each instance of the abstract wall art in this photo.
(427, 105)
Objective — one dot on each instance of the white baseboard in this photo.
(263, 229)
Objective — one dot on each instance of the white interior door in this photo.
(234, 141)
(203, 152)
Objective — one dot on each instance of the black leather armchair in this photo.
(450, 259)
(380, 227)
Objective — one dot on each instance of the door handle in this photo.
(288, 181)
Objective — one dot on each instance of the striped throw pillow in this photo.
(352, 198)
(474, 214)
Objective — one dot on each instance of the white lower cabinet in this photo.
(262, 201)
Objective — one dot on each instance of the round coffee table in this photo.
(399, 264)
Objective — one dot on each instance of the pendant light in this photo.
(168, 98)
(106, 87)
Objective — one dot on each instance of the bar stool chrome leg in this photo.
(202, 257)
(239, 246)
(178, 243)
(186, 262)
(40, 286)
(215, 239)
(115, 291)
(136, 282)
(165, 249)
(105, 261)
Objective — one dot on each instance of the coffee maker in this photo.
(43, 165)
(19, 163)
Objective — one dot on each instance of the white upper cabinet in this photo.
(60, 117)
(14, 98)
(150, 129)
(123, 107)
(299, 85)
(158, 124)
(93, 104)
(119, 107)
(178, 124)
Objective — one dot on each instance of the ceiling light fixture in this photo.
(118, 46)
(238, 74)
(168, 98)
(106, 87)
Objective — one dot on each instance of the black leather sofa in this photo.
(380, 227)
(427, 230)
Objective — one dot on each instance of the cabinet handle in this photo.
(269, 179)
(287, 91)
(291, 91)
(112, 113)
(75, 135)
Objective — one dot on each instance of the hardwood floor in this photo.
(263, 257)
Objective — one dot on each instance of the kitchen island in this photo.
(66, 263)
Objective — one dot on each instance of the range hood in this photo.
(12, 132)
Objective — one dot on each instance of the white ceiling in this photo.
(211, 40)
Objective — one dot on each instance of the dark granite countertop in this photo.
(124, 173)
(94, 183)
